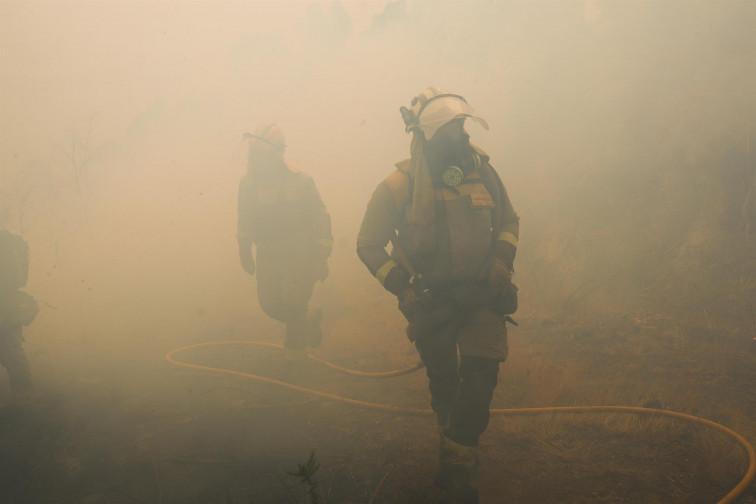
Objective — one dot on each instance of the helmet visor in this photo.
(261, 144)
(444, 109)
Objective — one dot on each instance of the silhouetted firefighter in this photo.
(283, 216)
(451, 269)
(17, 309)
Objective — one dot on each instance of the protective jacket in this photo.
(470, 219)
(284, 215)
(281, 213)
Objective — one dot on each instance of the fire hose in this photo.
(727, 499)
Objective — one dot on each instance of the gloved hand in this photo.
(247, 260)
(499, 276)
(424, 320)
(397, 281)
(409, 303)
(27, 308)
(18, 308)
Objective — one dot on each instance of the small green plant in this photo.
(305, 473)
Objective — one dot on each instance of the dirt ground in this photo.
(132, 429)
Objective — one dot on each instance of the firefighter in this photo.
(454, 236)
(281, 214)
(17, 309)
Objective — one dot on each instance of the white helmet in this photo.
(435, 107)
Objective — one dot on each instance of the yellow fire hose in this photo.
(727, 499)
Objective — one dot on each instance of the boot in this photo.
(315, 333)
(443, 423)
(454, 475)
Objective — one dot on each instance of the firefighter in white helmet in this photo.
(454, 233)
(281, 215)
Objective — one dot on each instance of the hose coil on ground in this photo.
(727, 499)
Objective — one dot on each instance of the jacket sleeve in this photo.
(378, 227)
(506, 228)
(510, 221)
(245, 233)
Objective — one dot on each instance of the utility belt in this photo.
(444, 306)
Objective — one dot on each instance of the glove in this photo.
(247, 261)
(499, 276)
(409, 303)
(27, 308)
(17, 308)
(397, 281)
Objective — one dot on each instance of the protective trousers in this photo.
(13, 359)
(461, 388)
(284, 288)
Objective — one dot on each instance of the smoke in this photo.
(622, 131)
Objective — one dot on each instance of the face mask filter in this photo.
(452, 176)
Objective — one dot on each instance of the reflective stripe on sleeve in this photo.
(383, 271)
(507, 237)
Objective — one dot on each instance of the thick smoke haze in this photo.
(623, 131)
(121, 128)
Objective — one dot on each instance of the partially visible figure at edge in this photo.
(451, 268)
(281, 214)
(17, 309)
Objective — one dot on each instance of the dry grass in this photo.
(247, 432)
(654, 361)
